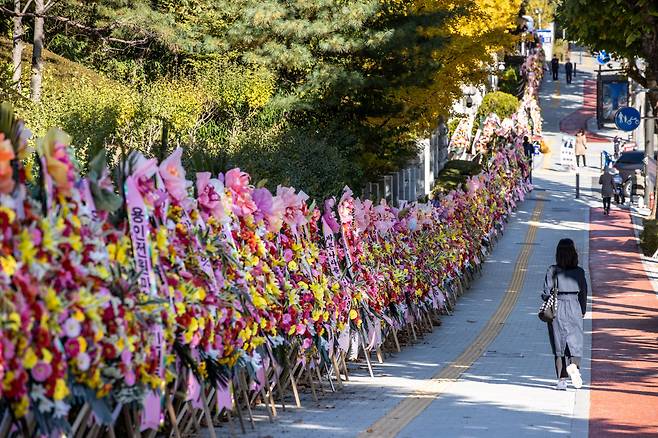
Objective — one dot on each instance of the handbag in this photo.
(548, 308)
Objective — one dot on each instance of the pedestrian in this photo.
(555, 67)
(528, 150)
(581, 147)
(616, 146)
(607, 189)
(568, 68)
(565, 332)
(637, 188)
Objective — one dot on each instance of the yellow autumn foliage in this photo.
(480, 29)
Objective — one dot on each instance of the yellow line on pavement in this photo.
(412, 406)
(555, 99)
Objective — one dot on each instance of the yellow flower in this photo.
(8, 265)
(30, 359)
(259, 301)
(112, 251)
(9, 212)
(292, 330)
(202, 370)
(292, 265)
(161, 239)
(245, 334)
(47, 355)
(194, 325)
(83, 344)
(78, 315)
(14, 320)
(95, 379)
(353, 314)
(26, 248)
(21, 408)
(318, 293)
(316, 315)
(76, 221)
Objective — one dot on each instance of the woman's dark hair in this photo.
(566, 256)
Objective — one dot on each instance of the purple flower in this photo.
(72, 328)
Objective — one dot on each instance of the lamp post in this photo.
(468, 101)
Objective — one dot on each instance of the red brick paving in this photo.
(624, 396)
(578, 119)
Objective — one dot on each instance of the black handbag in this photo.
(548, 308)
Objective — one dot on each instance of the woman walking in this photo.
(607, 189)
(565, 332)
(581, 147)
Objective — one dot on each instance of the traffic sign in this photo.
(602, 57)
(627, 119)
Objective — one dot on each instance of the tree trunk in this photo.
(17, 49)
(37, 49)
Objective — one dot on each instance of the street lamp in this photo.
(469, 97)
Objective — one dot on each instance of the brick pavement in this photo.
(578, 119)
(624, 398)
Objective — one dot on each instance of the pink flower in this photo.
(238, 183)
(264, 203)
(307, 343)
(72, 347)
(41, 371)
(292, 205)
(130, 377)
(173, 175)
(329, 216)
(144, 168)
(287, 255)
(209, 195)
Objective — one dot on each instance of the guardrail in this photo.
(416, 179)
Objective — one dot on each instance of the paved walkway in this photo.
(624, 348)
(488, 370)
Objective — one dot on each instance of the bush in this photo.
(649, 237)
(510, 82)
(455, 173)
(498, 102)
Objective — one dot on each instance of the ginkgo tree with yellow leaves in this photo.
(472, 38)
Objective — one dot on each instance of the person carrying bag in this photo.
(563, 311)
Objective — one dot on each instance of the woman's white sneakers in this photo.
(574, 374)
(561, 385)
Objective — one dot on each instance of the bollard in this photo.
(577, 185)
